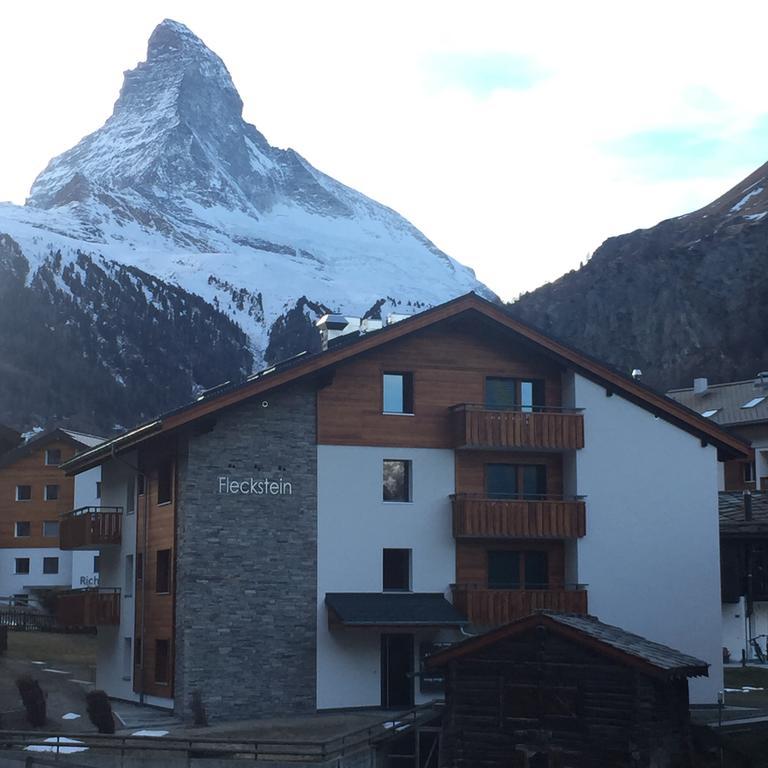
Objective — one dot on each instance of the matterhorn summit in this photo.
(178, 212)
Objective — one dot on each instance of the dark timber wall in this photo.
(246, 565)
(539, 699)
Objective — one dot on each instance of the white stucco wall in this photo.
(651, 554)
(85, 488)
(354, 526)
(14, 584)
(117, 477)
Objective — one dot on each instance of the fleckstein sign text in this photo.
(253, 486)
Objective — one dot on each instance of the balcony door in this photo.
(511, 569)
(396, 671)
(520, 394)
(515, 481)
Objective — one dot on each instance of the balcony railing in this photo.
(91, 528)
(95, 607)
(492, 607)
(541, 517)
(480, 426)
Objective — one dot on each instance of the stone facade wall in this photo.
(246, 568)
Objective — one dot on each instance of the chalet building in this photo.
(34, 493)
(304, 538)
(744, 571)
(560, 690)
(742, 408)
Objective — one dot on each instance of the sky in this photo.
(516, 136)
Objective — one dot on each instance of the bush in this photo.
(198, 709)
(33, 698)
(100, 711)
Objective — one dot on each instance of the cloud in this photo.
(482, 73)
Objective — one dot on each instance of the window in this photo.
(98, 489)
(22, 529)
(53, 457)
(51, 492)
(748, 471)
(523, 394)
(51, 529)
(164, 482)
(753, 402)
(163, 571)
(162, 654)
(508, 569)
(21, 565)
(711, 412)
(505, 481)
(127, 658)
(137, 660)
(397, 480)
(22, 600)
(130, 497)
(96, 563)
(139, 485)
(129, 576)
(397, 570)
(139, 566)
(23, 492)
(50, 565)
(398, 393)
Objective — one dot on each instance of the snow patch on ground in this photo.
(745, 199)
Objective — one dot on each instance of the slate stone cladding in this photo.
(246, 570)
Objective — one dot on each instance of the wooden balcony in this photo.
(91, 528)
(492, 607)
(98, 607)
(544, 518)
(477, 426)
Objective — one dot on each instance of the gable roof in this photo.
(470, 304)
(727, 400)
(624, 647)
(79, 440)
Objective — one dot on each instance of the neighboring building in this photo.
(744, 571)
(741, 407)
(34, 493)
(565, 690)
(302, 539)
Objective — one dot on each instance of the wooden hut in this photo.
(567, 691)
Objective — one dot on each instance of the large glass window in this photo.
(23, 492)
(501, 481)
(21, 565)
(515, 481)
(164, 482)
(51, 492)
(51, 529)
(396, 570)
(23, 529)
(503, 569)
(50, 565)
(398, 393)
(397, 480)
(162, 660)
(163, 571)
(510, 569)
(524, 394)
(53, 457)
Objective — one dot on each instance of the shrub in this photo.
(33, 698)
(100, 711)
(198, 709)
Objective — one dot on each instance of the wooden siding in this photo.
(31, 470)
(492, 607)
(449, 366)
(91, 528)
(475, 426)
(158, 618)
(88, 608)
(481, 517)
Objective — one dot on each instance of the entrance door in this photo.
(396, 671)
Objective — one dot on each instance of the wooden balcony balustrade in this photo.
(93, 607)
(91, 528)
(492, 607)
(479, 426)
(544, 517)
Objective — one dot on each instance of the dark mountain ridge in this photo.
(681, 299)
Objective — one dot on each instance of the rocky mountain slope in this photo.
(682, 299)
(175, 248)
